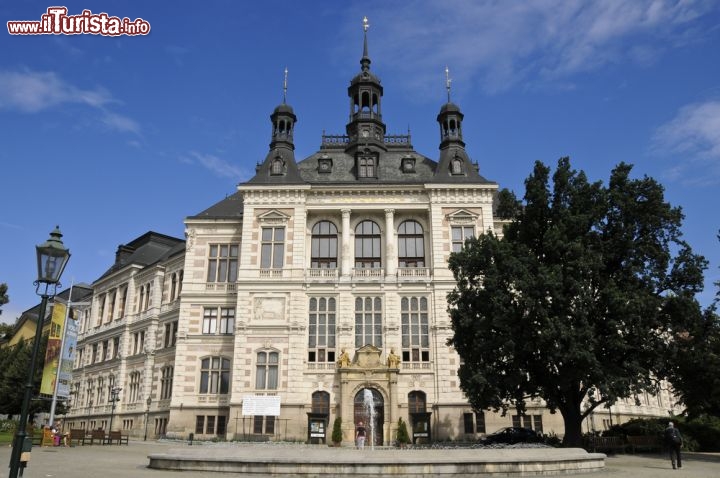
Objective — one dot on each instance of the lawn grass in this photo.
(6, 437)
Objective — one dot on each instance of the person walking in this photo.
(673, 441)
(360, 435)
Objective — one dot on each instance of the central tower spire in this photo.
(365, 92)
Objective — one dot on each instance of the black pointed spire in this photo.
(365, 60)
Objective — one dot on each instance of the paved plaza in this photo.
(113, 461)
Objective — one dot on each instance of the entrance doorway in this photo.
(373, 424)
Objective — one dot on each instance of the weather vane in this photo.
(366, 25)
(285, 86)
(447, 81)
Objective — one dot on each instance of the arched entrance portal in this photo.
(363, 413)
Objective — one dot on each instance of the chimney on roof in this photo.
(123, 252)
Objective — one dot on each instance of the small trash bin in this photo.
(56, 440)
(191, 438)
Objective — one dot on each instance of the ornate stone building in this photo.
(319, 285)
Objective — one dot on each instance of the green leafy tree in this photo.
(4, 298)
(13, 378)
(580, 300)
(337, 435)
(403, 437)
(694, 372)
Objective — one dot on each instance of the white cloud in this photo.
(694, 134)
(121, 123)
(32, 92)
(218, 166)
(503, 43)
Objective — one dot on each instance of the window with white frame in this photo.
(415, 329)
(214, 375)
(227, 320)
(272, 247)
(209, 320)
(368, 321)
(367, 245)
(411, 245)
(459, 235)
(324, 246)
(122, 302)
(222, 263)
(138, 342)
(321, 330)
(266, 370)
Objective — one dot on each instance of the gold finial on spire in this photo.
(285, 86)
(366, 25)
(447, 81)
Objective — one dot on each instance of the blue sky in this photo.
(110, 137)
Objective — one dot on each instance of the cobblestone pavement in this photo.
(121, 461)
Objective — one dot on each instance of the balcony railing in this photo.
(321, 366)
(271, 273)
(413, 272)
(324, 273)
(221, 287)
(368, 273)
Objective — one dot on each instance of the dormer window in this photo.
(457, 166)
(408, 165)
(325, 164)
(277, 167)
(366, 167)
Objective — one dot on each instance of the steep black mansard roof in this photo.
(146, 250)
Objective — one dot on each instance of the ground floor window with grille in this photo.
(533, 422)
(415, 329)
(263, 425)
(211, 424)
(474, 422)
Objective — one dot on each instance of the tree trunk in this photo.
(573, 426)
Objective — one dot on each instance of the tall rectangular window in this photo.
(272, 247)
(166, 382)
(227, 320)
(368, 321)
(210, 425)
(222, 263)
(221, 425)
(170, 336)
(266, 372)
(459, 235)
(415, 329)
(200, 424)
(321, 328)
(214, 375)
(209, 320)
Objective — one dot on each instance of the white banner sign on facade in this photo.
(261, 405)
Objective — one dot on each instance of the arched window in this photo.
(277, 166)
(321, 402)
(411, 245)
(457, 166)
(367, 245)
(214, 375)
(417, 402)
(324, 243)
(266, 377)
(173, 287)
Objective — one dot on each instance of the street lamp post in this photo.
(52, 257)
(147, 416)
(114, 392)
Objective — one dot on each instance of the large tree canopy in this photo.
(579, 301)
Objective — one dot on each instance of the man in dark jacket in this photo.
(673, 441)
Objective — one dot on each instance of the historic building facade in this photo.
(319, 286)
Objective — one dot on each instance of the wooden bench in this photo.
(119, 437)
(98, 435)
(607, 444)
(644, 442)
(77, 435)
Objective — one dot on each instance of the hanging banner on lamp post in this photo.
(53, 352)
(67, 358)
